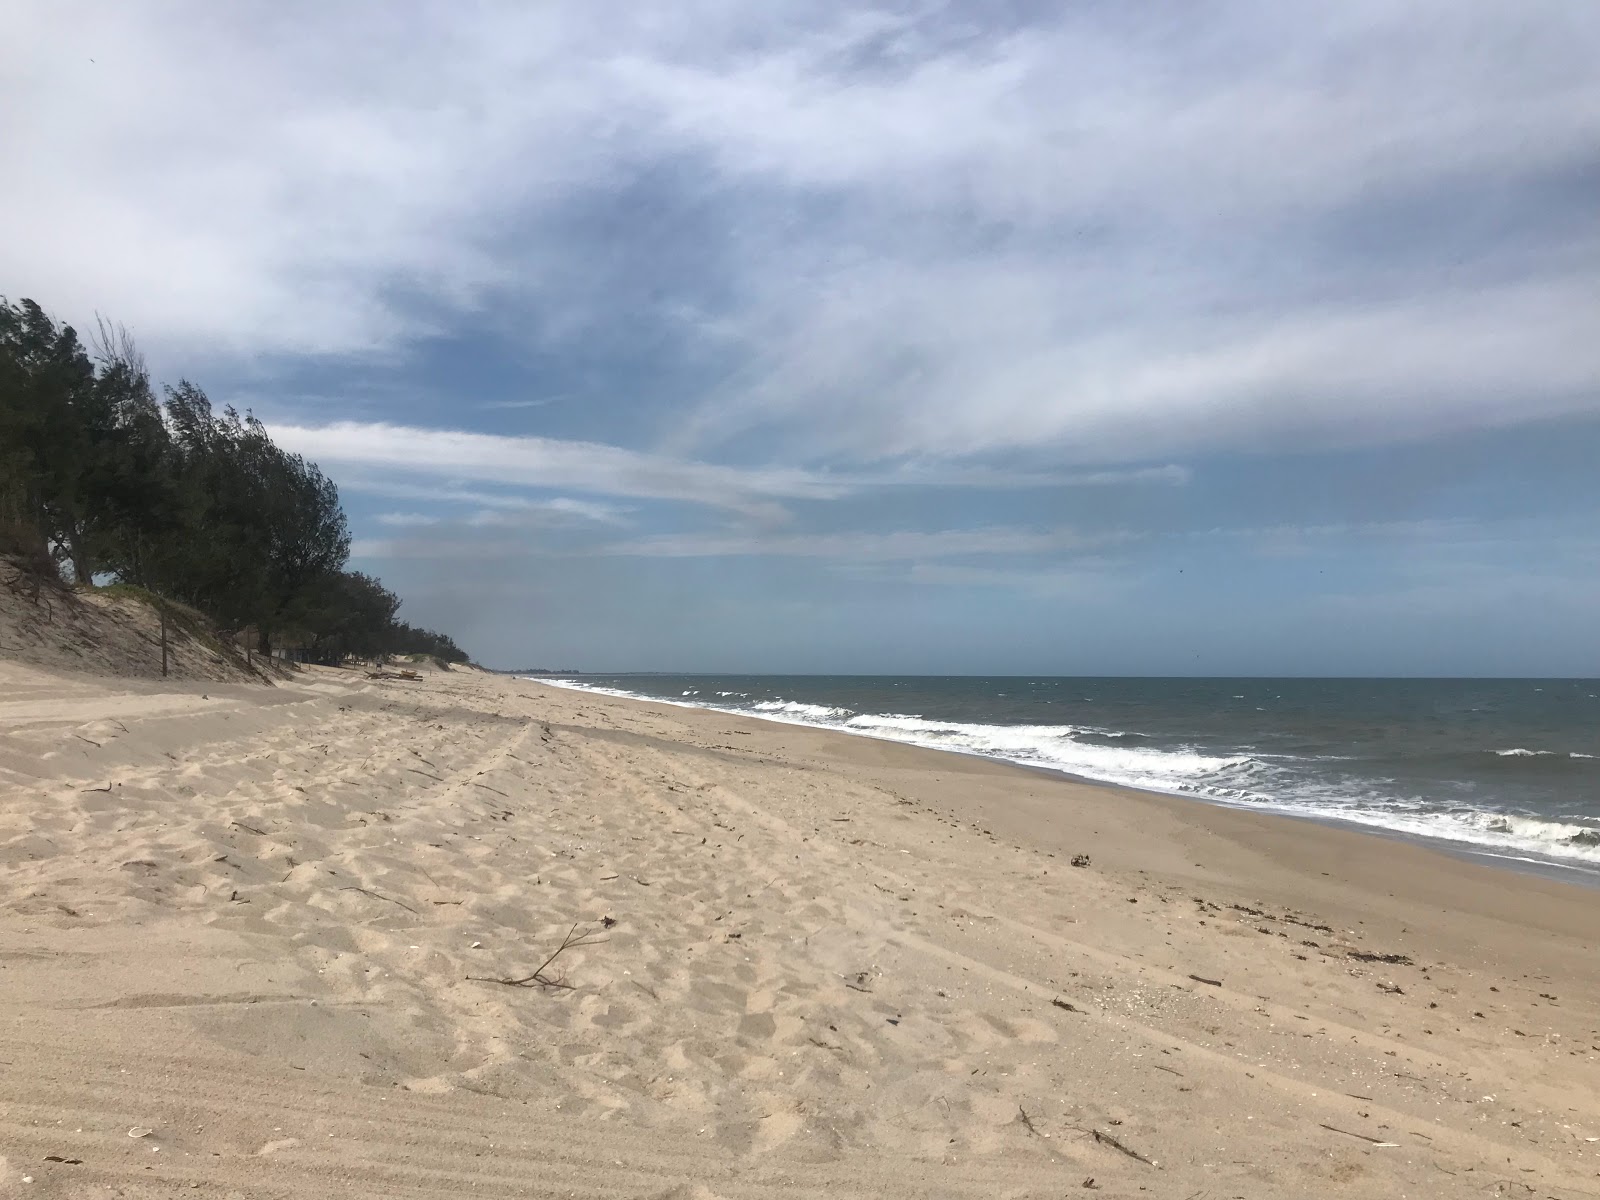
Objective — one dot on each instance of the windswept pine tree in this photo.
(101, 481)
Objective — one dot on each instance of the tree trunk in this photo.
(82, 571)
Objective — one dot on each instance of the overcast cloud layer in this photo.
(1012, 301)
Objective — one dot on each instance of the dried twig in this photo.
(1027, 1121)
(250, 829)
(1203, 979)
(1362, 1136)
(1060, 1003)
(573, 941)
(380, 896)
(1108, 1140)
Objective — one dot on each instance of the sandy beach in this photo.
(296, 941)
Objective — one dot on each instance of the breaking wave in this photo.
(1307, 785)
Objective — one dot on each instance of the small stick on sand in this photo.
(1362, 1136)
(380, 896)
(572, 941)
(1108, 1140)
(1203, 979)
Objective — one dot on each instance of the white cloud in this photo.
(898, 545)
(397, 461)
(537, 462)
(543, 511)
(1346, 374)
(1103, 235)
(937, 474)
(852, 548)
(448, 549)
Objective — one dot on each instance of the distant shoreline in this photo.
(1580, 873)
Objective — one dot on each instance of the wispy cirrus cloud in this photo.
(897, 229)
(397, 461)
(537, 462)
(891, 546)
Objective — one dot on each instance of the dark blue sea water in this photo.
(1506, 767)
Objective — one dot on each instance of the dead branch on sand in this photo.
(573, 941)
(1108, 1140)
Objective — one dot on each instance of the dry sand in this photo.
(240, 925)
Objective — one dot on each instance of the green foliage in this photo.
(425, 642)
(199, 507)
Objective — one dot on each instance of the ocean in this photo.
(1502, 767)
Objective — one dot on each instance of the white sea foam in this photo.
(1519, 752)
(1257, 781)
(793, 708)
(1529, 838)
(1054, 746)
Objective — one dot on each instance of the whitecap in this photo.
(795, 708)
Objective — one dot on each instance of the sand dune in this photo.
(266, 924)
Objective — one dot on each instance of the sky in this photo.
(1189, 337)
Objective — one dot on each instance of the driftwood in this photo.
(573, 941)
(1107, 1139)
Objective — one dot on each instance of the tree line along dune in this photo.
(178, 504)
